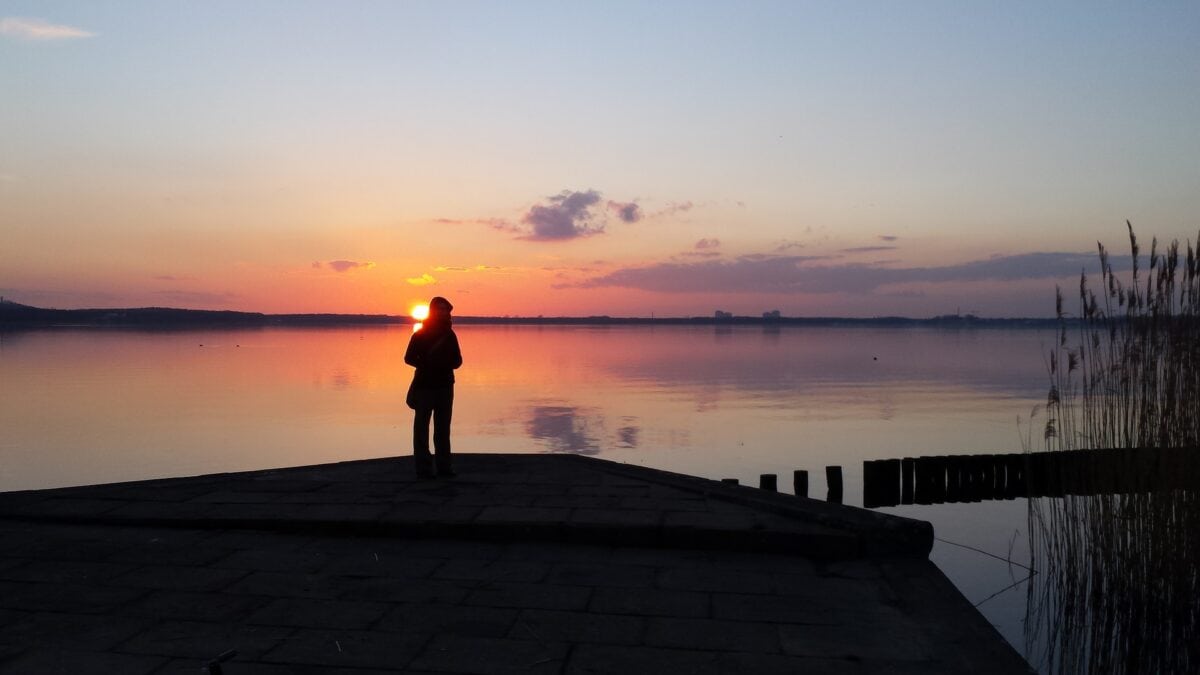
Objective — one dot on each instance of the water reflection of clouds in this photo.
(562, 428)
(574, 429)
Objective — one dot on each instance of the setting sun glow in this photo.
(419, 313)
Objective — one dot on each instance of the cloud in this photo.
(567, 216)
(888, 237)
(423, 280)
(344, 265)
(788, 245)
(37, 29)
(708, 243)
(171, 277)
(671, 209)
(802, 274)
(868, 249)
(628, 212)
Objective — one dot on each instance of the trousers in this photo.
(437, 404)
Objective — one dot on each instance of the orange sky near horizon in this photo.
(810, 158)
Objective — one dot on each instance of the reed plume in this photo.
(1117, 574)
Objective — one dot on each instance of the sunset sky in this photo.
(569, 158)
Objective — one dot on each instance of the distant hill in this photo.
(16, 315)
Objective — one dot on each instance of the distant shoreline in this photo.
(14, 315)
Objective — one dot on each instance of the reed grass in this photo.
(1116, 589)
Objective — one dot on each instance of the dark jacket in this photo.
(434, 352)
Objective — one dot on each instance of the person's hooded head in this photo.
(439, 314)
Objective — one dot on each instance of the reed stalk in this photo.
(1116, 589)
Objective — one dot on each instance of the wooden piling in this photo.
(907, 467)
(800, 483)
(767, 481)
(833, 478)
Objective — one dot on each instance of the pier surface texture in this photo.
(521, 563)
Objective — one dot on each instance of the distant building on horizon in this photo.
(723, 315)
(773, 314)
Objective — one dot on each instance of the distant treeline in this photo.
(15, 315)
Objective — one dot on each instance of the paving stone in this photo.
(426, 513)
(617, 517)
(71, 548)
(254, 539)
(236, 666)
(235, 497)
(493, 570)
(830, 589)
(455, 654)
(344, 513)
(655, 503)
(9, 616)
(393, 589)
(285, 585)
(60, 571)
(89, 632)
(739, 561)
(554, 552)
(158, 552)
(600, 574)
(885, 641)
(206, 640)
(382, 564)
(574, 627)
(249, 513)
(578, 502)
(606, 659)
(451, 548)
(534, 596)
(710, 634)
(66, 506)
(777, 609)
(348, 648)
(434, 618)
(739, 522)
(159, 511)
(714, 579)
(650, 602)
(55, 661)
(271, 560)
(317, 613)
(522, 514)
(481, 500)
(176, 577)
(85, 598)
(192, 606)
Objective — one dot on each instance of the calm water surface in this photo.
(90, 406)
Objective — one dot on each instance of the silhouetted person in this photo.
(434, 352)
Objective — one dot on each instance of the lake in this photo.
(93, 405)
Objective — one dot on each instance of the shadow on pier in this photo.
(973, 478)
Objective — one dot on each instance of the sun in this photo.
(419, 314)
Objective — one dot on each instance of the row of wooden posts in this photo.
(833, 479)
(973, 478)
